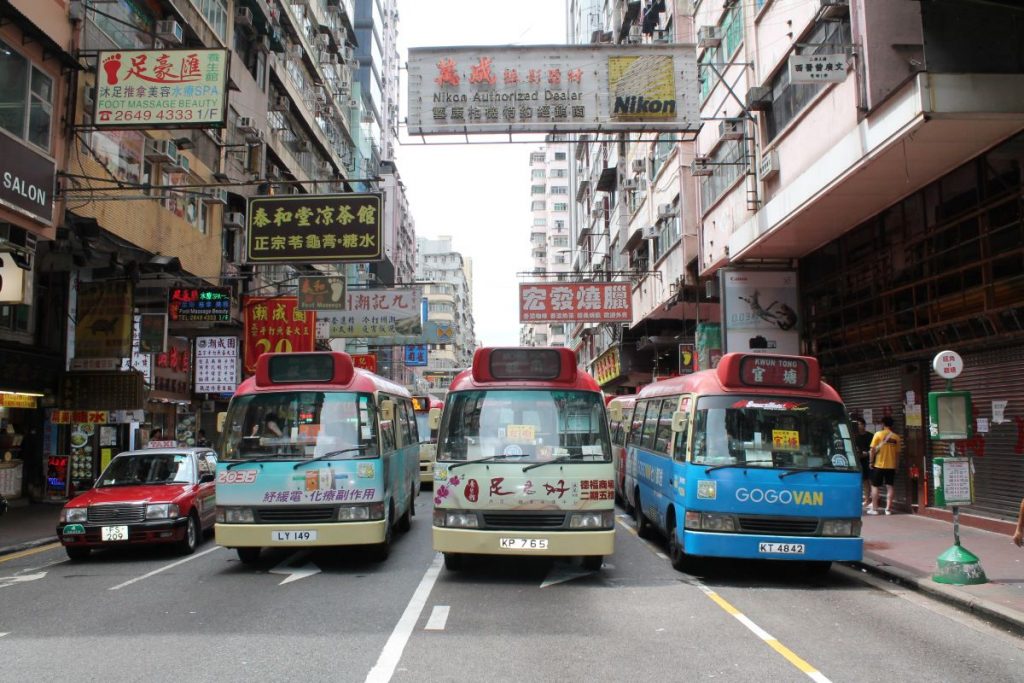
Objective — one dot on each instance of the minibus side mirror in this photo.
(221, 417)
(387, 410)
(434, 418)
(679, 419)
(615, 413)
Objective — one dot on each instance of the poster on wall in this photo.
(759, 311)
(276, 324)
(104, 325)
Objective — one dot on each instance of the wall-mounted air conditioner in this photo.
(263, 43)
(665, 210)
(295, 52)
(348, 54)
(247, 125)
(730, 129)
(161, 150)
(596, 212)
(89, 96)
(180, 164)
(639, 165)
(628, 184)
(215, 196)
(759, 98)
(650, 232)
(353, 103)
(280, 103)
(243, 17)
(170, 31)
(769, 166)
(700, 167)
(709, 36)
(234, 220)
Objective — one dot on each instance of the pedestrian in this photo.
(883, 457)
(201, 439)
(1018, 535)
(862, 442)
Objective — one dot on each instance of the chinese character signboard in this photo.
(322, 293)
(366, 361)
(161, 89)
(102, 391)
(377, 313)
(199, 304)
(142, 361)
(104, 325)
(416, 356)
(488, 89)
(172, 371)
(817, 68)
(759, 312)
(596, 302)
(607, 366)
(777, 373)
(276, 324)
(315, 228)
(216, 365)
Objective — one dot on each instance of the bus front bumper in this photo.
(555, 542)
(752, 546)
(267, 536)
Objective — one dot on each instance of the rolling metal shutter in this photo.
(878, 391)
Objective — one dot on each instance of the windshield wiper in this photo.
(555, 461)
(820, 468)
(266, 458)
(489, 458)
(329, 454)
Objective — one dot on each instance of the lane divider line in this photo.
(768, 638)
(384, 669)
(163, 569)
(30, 551)
(438, 618)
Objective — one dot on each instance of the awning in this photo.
(608, 182)
(635, 237)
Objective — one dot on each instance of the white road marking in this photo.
(163, 569)
(295, 573)
(438, 618)
(562, 572)
(6, 581)
(384, 669)
(3, 634)
(662, 556)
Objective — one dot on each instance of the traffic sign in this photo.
(948, 364)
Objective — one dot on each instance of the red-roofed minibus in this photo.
(754, 459)
(620, 413)
(524, 461)
(315, 452)
(422, 405)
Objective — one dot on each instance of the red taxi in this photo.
(156, 495)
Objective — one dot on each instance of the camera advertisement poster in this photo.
(759, 312)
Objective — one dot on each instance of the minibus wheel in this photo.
(382, 550)
(592, 563)
(681, 562)
(817, 568)
(248, 555)
(453, 561)
(644, 529)
(405, 521)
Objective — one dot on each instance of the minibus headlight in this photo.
(77, 515)
(226, 515)
(460, 520)
(712, 521)
(604, 519)
(353, 513)
(840, 527)
(161, 511)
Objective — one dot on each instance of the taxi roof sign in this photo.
(554, 364)
(769, 371)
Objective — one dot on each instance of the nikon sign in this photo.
(544, 89)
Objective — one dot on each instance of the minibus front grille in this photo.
(779, 526)
(524, 520)
(295, 515)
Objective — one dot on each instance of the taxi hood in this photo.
(130, 495)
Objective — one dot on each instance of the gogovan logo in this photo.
(642, 87)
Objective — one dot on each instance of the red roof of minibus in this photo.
(362, 381)
(465, 379)
(625, 400)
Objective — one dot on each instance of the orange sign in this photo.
(17, 401)
(366, 361)
(275, 324)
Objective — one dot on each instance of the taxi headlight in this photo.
(460, 520)
(353, 513)
(226, 515)
(161, 511)
(603, 519)
(76, 515)
(840, 527)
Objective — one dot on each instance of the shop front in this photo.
(26, 379)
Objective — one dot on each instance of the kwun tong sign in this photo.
(553, 88)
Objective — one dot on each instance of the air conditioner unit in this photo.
(295, 52)
(348, 54)
(730, 129)
(182, 164)
(323, 40)
(597, 212)
(247, 125)
(331, 58)
(709, 36)
(234, 220)
(89, 96)
(326, 169)
(302, 145)
(665, 210)
(699, 167)
(650, 232)
(170, 31)
(769, 166)
(639, 165)
(243, 17)
(628, 184)
(216, 196)
(263, 43)
(759, 98)
(280, 103)
(353, 103)
(161, 150)
(833, 9)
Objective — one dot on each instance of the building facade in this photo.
(447, 280)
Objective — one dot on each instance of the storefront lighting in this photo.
(22, 393)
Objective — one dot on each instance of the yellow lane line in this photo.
(30, 551)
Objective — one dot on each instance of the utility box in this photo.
(953, 481)
(950, 416)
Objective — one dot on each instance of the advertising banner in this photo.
(540, 89)
(26, 180)
(172, 371)
(275, 324)
(708, 340)
(687, 356)
(377, 313)
(142, 361)
(104, 325)
(366, 361)
(315, 228)
(183, 88)
(216, 365)
(12, 281)
(596, 302)
(759, 311)
(818, 68)
(416, 356)
(199, 304)
(607, 366)
(322, 293)
(439, 332)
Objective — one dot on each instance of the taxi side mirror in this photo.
(387, 410)
(205, 478)
(679, 419)
(221, 417)
(615, 413)
(434, 418)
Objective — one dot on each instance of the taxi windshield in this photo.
(527, 426)
(300, 425)
(147, 468)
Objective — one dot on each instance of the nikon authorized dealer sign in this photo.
(576, 88)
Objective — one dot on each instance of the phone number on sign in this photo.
(150, 115)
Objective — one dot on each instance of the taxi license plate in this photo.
(523, 543)
(114, 533)
(294, 536)
(781, 548)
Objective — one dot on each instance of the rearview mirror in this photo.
(434, 418)
(221, 417)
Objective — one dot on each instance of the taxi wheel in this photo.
(644, 529)
(453, 561)
(248, 555)
(187, 545)
(77, 552)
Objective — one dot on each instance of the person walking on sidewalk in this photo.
(1018, 535)
(883, 457)
(862, 442)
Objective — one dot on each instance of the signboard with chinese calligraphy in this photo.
(578, 88)
(102, 391)
(768, 371)
(161, 89)
(759, 311)
(199, 304)
(607, 366)
(366, 361)
(817, 68)
(322, 293)
(9, 400)
(104, 325)
(216, 365)
(315, 228)
(142, 361)
(276, 324)
(597, 302)
(416, 356)
(172, 371)
(377, 313)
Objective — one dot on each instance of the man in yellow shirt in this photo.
(883, 457)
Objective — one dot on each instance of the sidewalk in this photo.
(27, 525)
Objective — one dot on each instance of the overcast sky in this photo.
(477, 193)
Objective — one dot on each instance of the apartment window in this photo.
(540, 222)
(537, 174)
(537, 158)
(26, 105)
(662, 148)
(559, 189)
(560, 156)
(537, 189)
(560, 241)
(559, 225)
(559, 173)
(730, 155)
(732, 36)
(216, 13)
(732, 30)
(537, 206)
(124, 24)
(560, 206)
(668, 235)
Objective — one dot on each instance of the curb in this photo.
(951, 595)
(27, 545)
